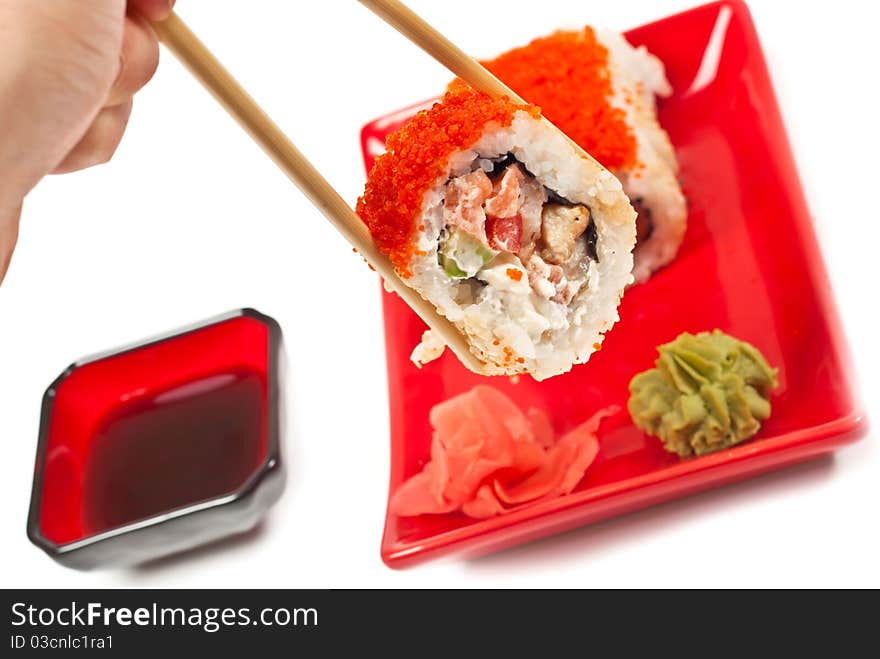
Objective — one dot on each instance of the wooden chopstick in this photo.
(181, 41)
(413, 27)
(417, 30)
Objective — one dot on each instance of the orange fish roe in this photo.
(514, 274)
(567, 75)
(416, 157)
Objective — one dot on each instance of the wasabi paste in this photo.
(707, 392)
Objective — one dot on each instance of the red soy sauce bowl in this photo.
(162, 446)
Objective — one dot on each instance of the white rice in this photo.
(640, 76)
(507, 320)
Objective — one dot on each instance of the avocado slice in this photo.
(462, 256)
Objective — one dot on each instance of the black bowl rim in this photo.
(271, 463)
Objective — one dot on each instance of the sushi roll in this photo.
(598, 89)
(513, 233)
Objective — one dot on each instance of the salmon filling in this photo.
(499, 213)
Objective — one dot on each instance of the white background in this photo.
(191, 219)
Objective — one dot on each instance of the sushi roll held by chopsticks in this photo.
(508, 240)
(517, 236)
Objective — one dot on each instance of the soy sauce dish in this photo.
(160, 447)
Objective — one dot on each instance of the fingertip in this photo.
(153, 10)
(100, 141)
(138, 60)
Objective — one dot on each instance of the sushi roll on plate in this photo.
(598, 89)
(516, 236)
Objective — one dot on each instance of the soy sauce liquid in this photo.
(185, 445)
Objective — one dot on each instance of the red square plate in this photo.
(750, 265)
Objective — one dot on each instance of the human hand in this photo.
(68, 72)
